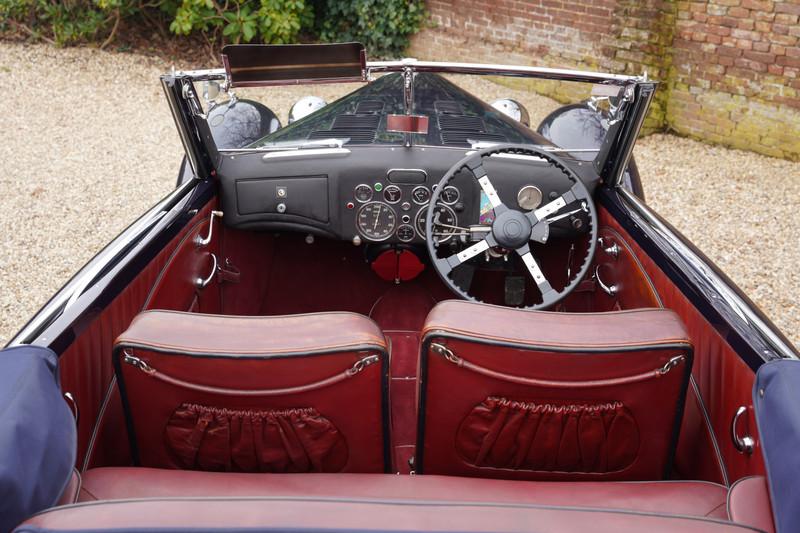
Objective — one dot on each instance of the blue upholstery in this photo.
(776, 396)
(38, 437)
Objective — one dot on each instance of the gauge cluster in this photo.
(398, 212)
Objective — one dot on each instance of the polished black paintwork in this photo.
(434, 96)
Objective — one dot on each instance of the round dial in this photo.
(392, 194)
(421, 195)
(376, 221)
(450, 195)
(442, 215)
(529, 197)
(405, 233)
(363, 193)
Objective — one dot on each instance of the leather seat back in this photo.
(299, 393)
(515, 394)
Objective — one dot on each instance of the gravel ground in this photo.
(90, 144)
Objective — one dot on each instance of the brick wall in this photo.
(729, 68)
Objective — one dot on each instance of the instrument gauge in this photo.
(363, 193)
(376, 221)
(405, 233)
(450, 195)
(392, 194)
(444, 216)
(529, 197)
(421, 195)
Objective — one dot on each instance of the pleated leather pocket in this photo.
(549, 437)
(281, 441)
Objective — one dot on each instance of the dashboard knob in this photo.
(281, 208)
(356, 241)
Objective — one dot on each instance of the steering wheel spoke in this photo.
(468, 253)
(486, 186)
(553, 207)
(536, 272)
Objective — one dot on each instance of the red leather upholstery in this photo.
(675, 497)
(516, 394)
(384, 502)
(724, 382)
(748, 503)
(264, 514)
(301, 393)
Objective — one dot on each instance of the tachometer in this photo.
(443, 216)
(376, 221)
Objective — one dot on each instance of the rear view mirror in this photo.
(255, 65)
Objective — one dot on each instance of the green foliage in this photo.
(66, 22)
(267, 21)
(384, 26)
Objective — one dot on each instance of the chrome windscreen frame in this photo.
(637, 90)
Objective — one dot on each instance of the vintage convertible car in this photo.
(405, 310)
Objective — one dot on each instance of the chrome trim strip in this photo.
(501, 70)
(706, 274)
(307, 153)
(487, 69)
(632, 138)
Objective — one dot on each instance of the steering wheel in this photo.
(512, 229)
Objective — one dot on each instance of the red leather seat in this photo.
(127, 498)
(514, 394)
(299, 393)
(691, 498)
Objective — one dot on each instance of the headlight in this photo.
(305, 106)
(513, 109)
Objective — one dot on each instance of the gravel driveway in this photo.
(89, 144)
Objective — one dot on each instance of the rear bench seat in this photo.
(125, 498)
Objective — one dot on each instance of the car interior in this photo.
(345, 329)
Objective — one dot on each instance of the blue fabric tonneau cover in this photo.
(37, 434)
(776, 396)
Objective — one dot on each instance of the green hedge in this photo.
(385, 26)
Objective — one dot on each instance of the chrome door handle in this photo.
(205, 241)
(744, 444)
(201, 283)
(611, 290)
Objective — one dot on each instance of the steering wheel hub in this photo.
(511, 229)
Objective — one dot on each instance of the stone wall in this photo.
(729, 68)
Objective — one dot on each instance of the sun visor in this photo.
(255, 65)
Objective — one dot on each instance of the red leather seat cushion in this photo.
(512, 394)
(299, 393)
(692, 498)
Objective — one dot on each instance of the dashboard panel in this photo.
(375, 194)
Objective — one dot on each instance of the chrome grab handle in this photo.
(205, 241)
(745, 444)
(73, 405)
(611, 290)
(201, 283)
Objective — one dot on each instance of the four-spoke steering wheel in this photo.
(511, 229)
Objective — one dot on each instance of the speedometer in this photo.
(376, 221)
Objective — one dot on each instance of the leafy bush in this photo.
(384, 26)
(272, 21)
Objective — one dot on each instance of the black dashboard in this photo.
(375, 193)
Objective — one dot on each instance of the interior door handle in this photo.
(205, 241)
(201, 283)
(746, 443)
